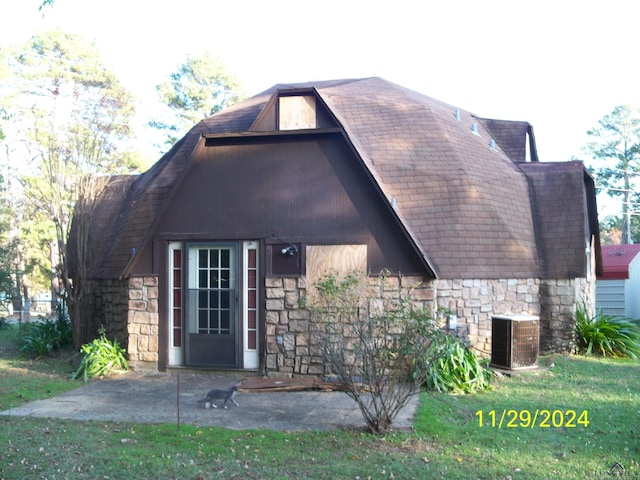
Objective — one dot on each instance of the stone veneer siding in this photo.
(142, 323)
(128, 310)
(553, 300)
(292, 344)
(292, 348)
(109, 310)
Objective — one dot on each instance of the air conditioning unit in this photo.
(515, 341)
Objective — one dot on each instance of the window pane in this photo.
(203, 320)
(202, 279)
(215, 304)
(203, 258)
(203, 302)
(225, 275)
(224, 258)
(225, 299)
(177, 259)
(252, 259)
(224, 321)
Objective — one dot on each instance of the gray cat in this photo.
(226, 395)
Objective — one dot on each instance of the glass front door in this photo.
(212, 322)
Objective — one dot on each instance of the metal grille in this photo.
(514, 342)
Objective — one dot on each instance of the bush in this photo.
(370, 347)
(101, 357)
(607, 335)
(43, 337)
(453, 367)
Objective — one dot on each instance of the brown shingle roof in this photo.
(466, 207)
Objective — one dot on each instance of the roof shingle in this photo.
(466, 206)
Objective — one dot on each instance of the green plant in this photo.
(607, 335)
(24, 378)
(42, 337)
(100, 357)
(453, 367)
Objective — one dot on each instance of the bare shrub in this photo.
(371, 345)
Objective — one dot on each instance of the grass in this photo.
(24, 379)
(448, 441)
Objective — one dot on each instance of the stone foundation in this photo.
(292, 347)
(128, 309)
(293, 344)
(110, 310)
(142, 323)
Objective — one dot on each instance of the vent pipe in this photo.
(474, 128)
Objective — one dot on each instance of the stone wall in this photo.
(142, 323)
(128, 309)
(474, 301)
(293, 348)
(292, 342)
(553, 300)
(110, 309)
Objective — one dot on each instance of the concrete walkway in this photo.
(154, 398)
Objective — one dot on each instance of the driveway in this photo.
(172, 398)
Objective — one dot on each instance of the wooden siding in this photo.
(308, 189)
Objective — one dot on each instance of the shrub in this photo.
(371, 347)
(100, 357)
(453, 367)
(607, 335)
(43, 337)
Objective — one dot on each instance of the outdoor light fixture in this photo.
(453, 321)
(291, 250)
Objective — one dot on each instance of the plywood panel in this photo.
(297, 112)
(323, 259)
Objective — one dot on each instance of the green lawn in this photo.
(448, 441)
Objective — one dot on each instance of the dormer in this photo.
(293, 109)
(515, 138)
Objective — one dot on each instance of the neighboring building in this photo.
(202, 260)
(618, 288)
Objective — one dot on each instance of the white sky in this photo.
(560, 65)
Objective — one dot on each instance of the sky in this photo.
(560, 65)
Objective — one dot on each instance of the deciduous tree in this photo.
(74, 121)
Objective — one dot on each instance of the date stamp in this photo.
(539, 418)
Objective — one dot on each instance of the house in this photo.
(201, 261)
(618, 288)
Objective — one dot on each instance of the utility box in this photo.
(515, 341)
